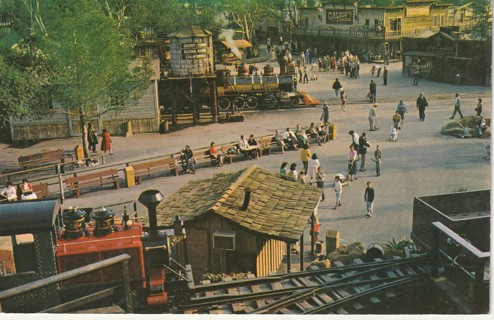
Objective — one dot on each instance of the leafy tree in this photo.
(89, 62)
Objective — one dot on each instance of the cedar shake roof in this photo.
(278, 208)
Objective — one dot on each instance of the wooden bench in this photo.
(41, 190)
(225, 152)
(41, 158)
(204, 156)
(105, 177)
(154, 166)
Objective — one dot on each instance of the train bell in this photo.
(103, 220)
(73, 219)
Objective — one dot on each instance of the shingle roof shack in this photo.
(278, 208)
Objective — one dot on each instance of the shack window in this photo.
(376, 22)
(434, 21)
(441, 21)
(224, 240)
(367, 22)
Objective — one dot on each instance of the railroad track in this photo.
(340, 290)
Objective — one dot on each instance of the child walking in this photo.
(377, 160)
(338, 188)
(320, 181)
(369, 200)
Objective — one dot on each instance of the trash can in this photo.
(79, 152)
(129, 176)
(332, 132)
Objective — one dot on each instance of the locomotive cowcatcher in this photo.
(62, 241)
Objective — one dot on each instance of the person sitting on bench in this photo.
(188, 160)
(246, 149)
(27, 192)
(9, 193)
(215, 155)
(290, 139)
(253, 143)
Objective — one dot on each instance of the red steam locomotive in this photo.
(48, 242)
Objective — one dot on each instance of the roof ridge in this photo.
(234, 186)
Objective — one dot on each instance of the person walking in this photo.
(421, 105)
(402, 109)
(305, 156)
(373, 118)
(377, 160)
(385, 76)
(320, 181)
(338, 189)
(378, 71)
(364, 144)
(369, 200)
(106, 142)
(325, 113)
(478, 108)
(416, 74)
(343, 98)
(92, 137)
(337, 86)
(457, 107)
(306, 77)
(373, 90)
(314, 164)
(355, 139)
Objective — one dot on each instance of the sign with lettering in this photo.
(417, 11)
(339, 16)
(194, 50)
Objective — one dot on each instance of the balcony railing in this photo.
(361, 34)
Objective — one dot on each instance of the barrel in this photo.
(374, 251)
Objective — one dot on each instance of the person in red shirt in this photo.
(214, 154)
(315, 230)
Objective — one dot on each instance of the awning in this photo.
(241, 44)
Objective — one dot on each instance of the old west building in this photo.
(372, 30)
(441, 57)
(229, 229)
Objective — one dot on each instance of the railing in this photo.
(373, 34)
(122, 259)
(462, 248)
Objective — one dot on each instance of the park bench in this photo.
(204, 156)
(41, 190)
(228, 153)
(154, 166)
(41, 158)
(105, 177)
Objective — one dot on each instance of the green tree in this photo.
(89, 61)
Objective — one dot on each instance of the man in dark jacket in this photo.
(421, 105)
(369, 200)
(363, 145)
(373, 90)
(337, 86)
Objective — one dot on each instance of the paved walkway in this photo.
(422, 162)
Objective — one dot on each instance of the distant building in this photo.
(440, 56)
(229, 229)
(372, 31)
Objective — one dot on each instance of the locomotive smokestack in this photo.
(245, 206)
(150, 199)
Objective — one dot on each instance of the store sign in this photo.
(194, 50)
(339, 16)
(417, 12)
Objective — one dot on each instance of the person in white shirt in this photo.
(245, 148)
(290, 139)
(457, 107)
(9, 192)
(27, 192)
(338, 188)
(373, 118)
